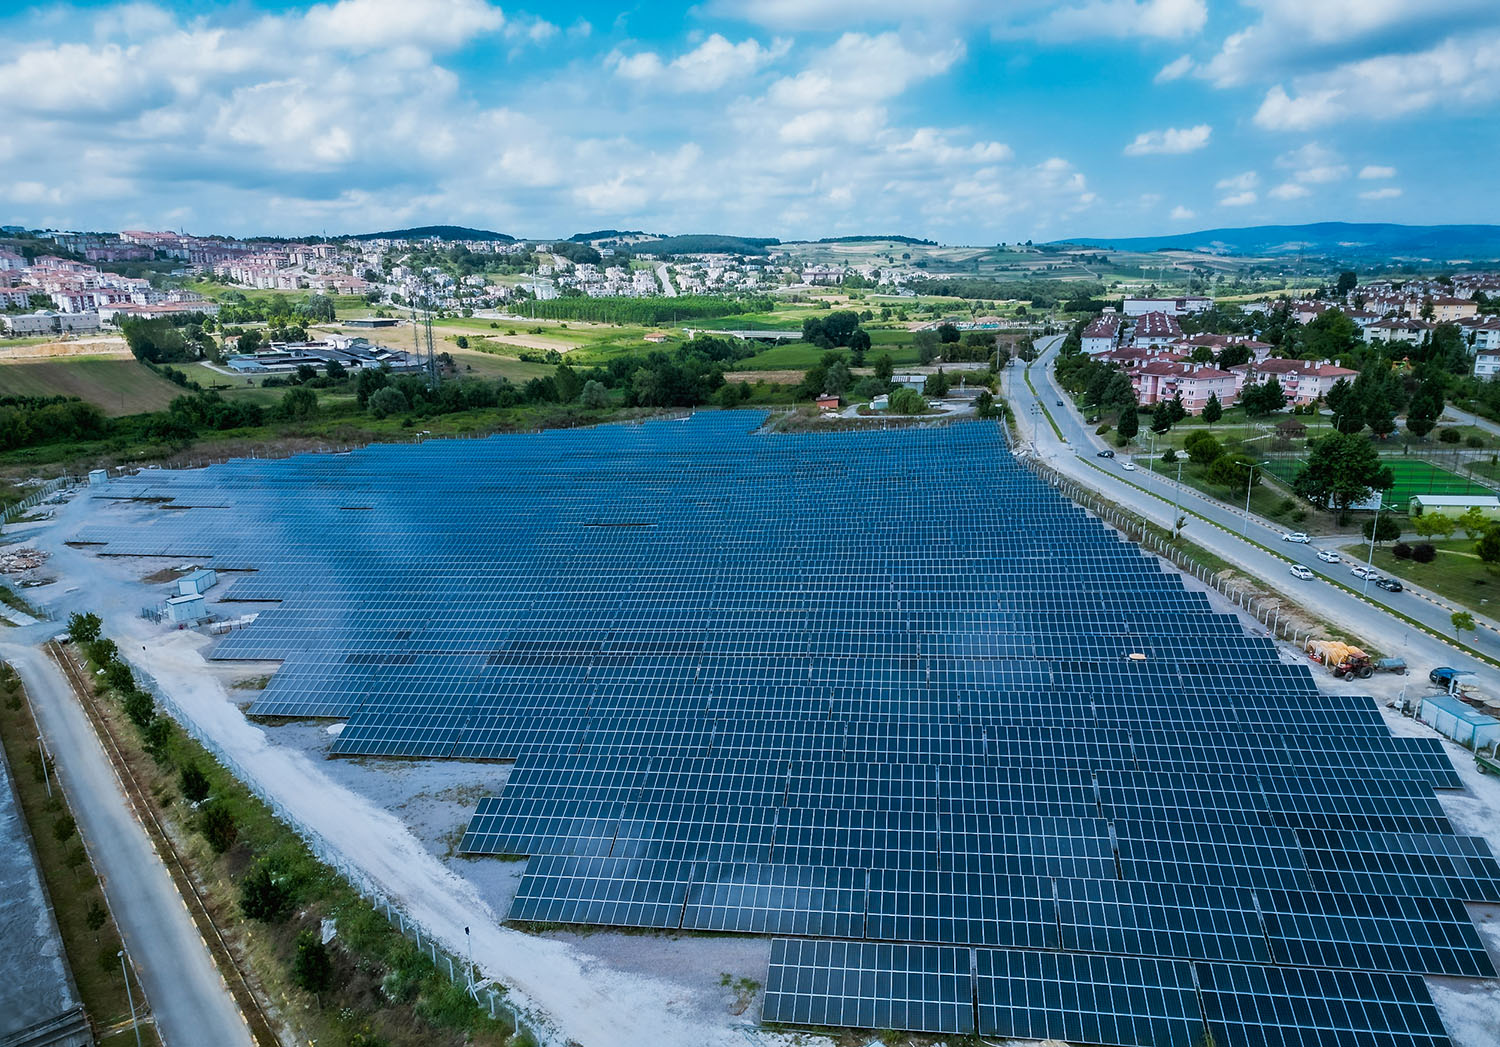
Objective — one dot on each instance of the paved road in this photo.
(188, 998)
(667, 289)
(1363, 616)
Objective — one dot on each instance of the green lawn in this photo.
(119, 386)
(1456, 575)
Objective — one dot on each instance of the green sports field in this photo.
(1413, 476)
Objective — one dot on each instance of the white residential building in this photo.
(1170, 306)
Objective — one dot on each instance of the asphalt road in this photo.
(1365, 616)
(189, 1000)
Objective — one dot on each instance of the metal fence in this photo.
(489, 996)
(1266, 610)
(14, 512)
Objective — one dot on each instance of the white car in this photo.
(1329, 556)
(1298, 571)
(1296, 536)
(1359, 570)
(1129, 467)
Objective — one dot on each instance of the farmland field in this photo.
(118, 386)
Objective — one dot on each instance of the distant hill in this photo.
(604, 234)
(706, 243)
(1337, 239)
(912, 240)
(445, 232)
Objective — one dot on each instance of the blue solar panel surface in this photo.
(982, 763)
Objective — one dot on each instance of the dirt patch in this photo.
(773, 377)
(50, 350)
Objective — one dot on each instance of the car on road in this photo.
(1059, 403)
(1390, 585)
(1298, 571)
(1329, 556)
(1106, 453)
(1129, 467)
(1295, 536)
(1359, 570)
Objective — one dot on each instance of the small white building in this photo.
(197, 583)
(98, 477)
(181, 609)
(1454, 504)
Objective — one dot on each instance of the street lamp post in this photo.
(1249, 486)
(1370, 560)
(134, 1021)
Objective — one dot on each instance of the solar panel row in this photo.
(887, 692)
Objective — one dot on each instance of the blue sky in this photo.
(967, 121)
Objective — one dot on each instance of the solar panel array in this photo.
(979, 763)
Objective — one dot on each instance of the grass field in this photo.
(1413, 476)
(1457, 574)
(119, 387)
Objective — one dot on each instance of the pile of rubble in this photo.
(19, 560)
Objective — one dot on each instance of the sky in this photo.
(963, 121)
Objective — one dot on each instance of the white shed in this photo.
(197, 583)
(1454, 504)
(186, 608)
(98, 477)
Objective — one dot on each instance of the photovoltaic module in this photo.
(977, 763)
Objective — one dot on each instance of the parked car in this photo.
(1390, 585)
(1329, 556)
(1359, 570)
(1129, 467)
(1298, 571)
(1295, 536)
(1106, 454)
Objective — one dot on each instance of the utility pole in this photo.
(131, 997)
(1370, 560)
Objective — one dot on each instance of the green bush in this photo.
(140, 707)
(1424, 552)
(194, 783)
(264, 896)
(218, 827)
(1449, 436)
(1103, 428)
(312, 970)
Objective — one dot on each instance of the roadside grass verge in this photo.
(67, 870)
(1456, 574)
(269, 895)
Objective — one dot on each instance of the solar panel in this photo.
(883, 691)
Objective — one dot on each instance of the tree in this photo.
(569, 385)
(1330, 336)
(1237, 472)
(1488, 547)
(140, 707)
(838, 379)
(594, 395)
(1202, 448)
(298, 404)
(1342, 469)
(319, 309)
(1347, 417)
(947, 334)
(1473, 522)
(859, 345)
(1425, 408)
(96, 917)
(387, 401)
(936, 385)
(462, 341)
(64, 828)
(193, 783)
(218, 827)
(1434, 525)
(1169, 455)
(984, 405)
(1263, 398)
(311, 967)
(926, 343)
(884, 368)
(1161, 417)
(1463, 622)
(907, 401)
(1175, 410)
(1129, 423)
(263, 896)
(84, 628)
(1384, 528)
(1213, 410)
(248, 342)
(336, 371)
(1347, 282)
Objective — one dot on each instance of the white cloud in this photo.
(1172, 141)
(1182, 214)
(1390, 192)
(1313, 164)
(1164, 19)
(372, 25)
(1239, 199)
(1374, 171)
(1289, 191)
(1175, 69)
(1239, 182)
(1458, 73)
(1167, 19)
(708, 67)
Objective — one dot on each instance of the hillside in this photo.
(446, 232)
(1332, 239)
(701, 243)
